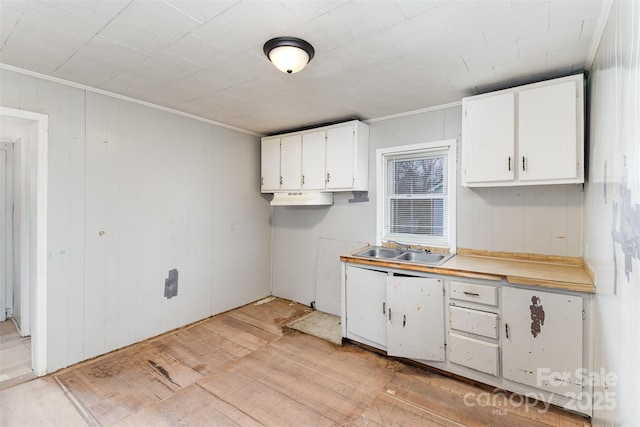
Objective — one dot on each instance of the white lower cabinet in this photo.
(474, 321)
(522, 339)
(474, 353)
(366, 313)
(402, 315)
(474, 292)
(542, 339)
(415, 327)
(473, 327)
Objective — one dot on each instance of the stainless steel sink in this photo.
(424, 258)
(404, 256)
(385, 253)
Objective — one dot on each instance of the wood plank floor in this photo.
(15, 356)
(242, 368)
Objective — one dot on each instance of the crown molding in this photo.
(122, 97)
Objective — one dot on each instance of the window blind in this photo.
(416, 198)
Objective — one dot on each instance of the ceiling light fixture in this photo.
(288, 54)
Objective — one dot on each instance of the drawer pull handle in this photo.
(506, 329)
(384, 308)
(389, 314)
(404, 320)
(471, 294)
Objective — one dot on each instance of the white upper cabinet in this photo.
(528, 135)
(270, 165)
(290, 162)
(547, 133)
(348, 157)
(313, 161)
(330, 158)
(492, 121)
(340, 155)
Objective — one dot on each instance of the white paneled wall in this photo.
(150, 210)
(241, 222)
(539, 219)
(612, 215)
(545, 219)
(133, 193)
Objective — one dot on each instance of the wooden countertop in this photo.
(534, 270)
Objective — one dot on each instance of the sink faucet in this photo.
(404, 246)
(407, 247)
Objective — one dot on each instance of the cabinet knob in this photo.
(524, 164)
(404, 320)
(328, 177)
(280, 180)
(384, 308)
(506, 329)
(303, 179)
(509, 163)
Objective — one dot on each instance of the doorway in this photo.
(23, 243)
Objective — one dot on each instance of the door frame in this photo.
(4, 274)
(38, 266)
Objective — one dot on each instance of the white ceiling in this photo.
(373, 58)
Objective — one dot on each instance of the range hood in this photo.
(302, 199)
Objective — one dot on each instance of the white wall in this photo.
(612, 213)
(134, 192)
(538, 219)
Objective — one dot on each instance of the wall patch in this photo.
(171, 284)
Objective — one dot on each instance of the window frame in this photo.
(450, 146)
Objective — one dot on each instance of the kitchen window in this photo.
(417, 197)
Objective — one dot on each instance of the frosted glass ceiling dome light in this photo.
(289, 54)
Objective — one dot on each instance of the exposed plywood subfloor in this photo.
(319, 324)
(15, 356)
(240, 368)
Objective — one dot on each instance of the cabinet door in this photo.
(542, 339)
(366, 306)
(291, 162)
(547, 132)
(488, 139)
(313, 160)
(340, 157)
(415, 318)
(270, 164)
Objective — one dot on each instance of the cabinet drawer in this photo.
(472, 353)
(482, 294)
(474, 321)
